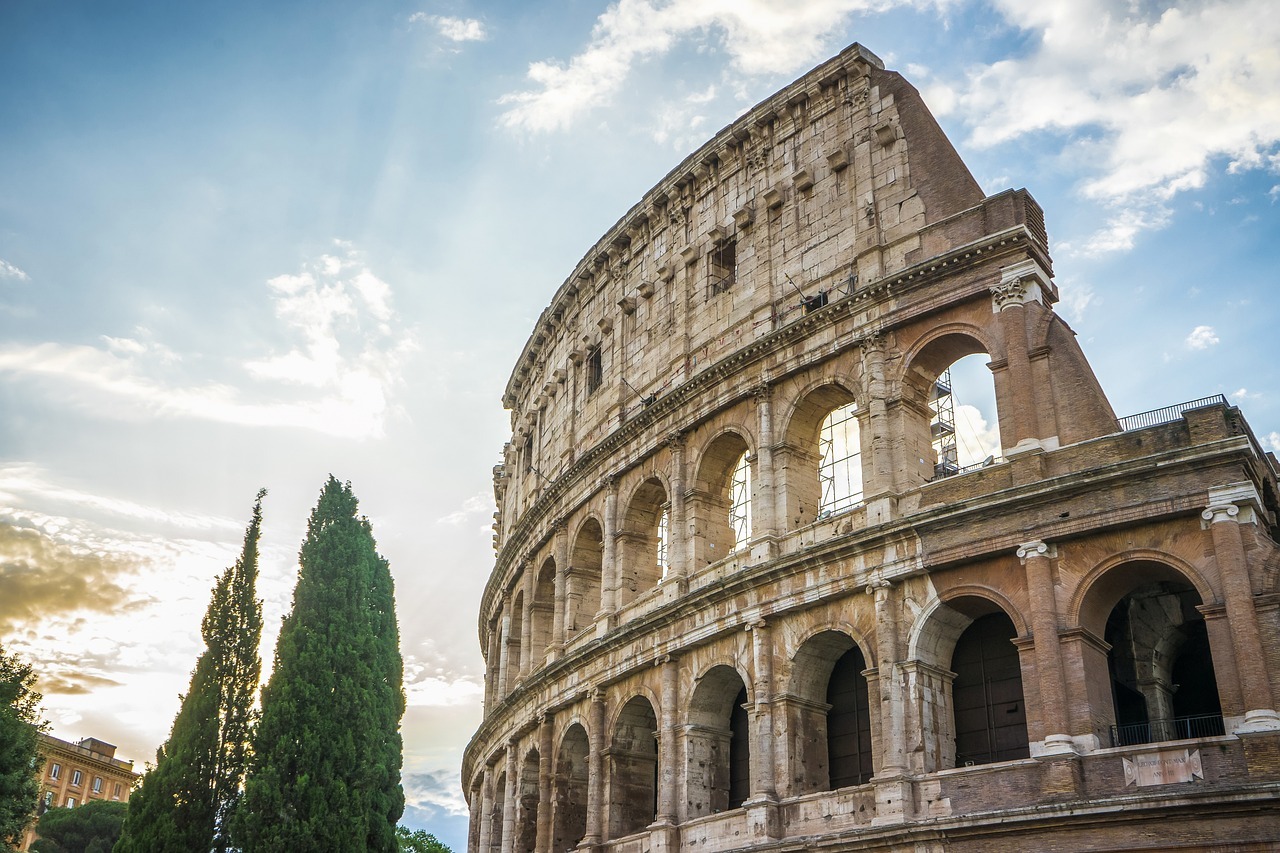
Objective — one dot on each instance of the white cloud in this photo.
(1161, 93)
(454, 29)
(1243, 395)
(760, 37)
(1076, 297)
(1202, 337)
(8, 270)
(476, 505)
(975, 438)
(1272, 441)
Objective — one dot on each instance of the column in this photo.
(876, 433)
(545, 746)
(486, 810)
(526, 621)
(764, 508)
(493, 667)
(677, 525)
(562, 567)
(609, 560)
(1223, 520)
(669, 733)
(889, 680)
(762, 750)
(595, 771)
(509, 801)
(1037, 557)
(1019, 285)
(504, 653)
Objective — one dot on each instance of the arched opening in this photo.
(956, 422)
(633, 784)
(570, 786)
(718, 744)
(582, 587)
(515, 649)
(1163, 685)
(497, 812)
(642, 545)
(819, 466)
(720, 505)
(526, 837)
(990, 713)
(542, 613)
(828, 715)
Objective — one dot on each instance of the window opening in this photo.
(595, 370)
(739, 751)
(97, 784)
(664, 521)
(840, 471)
(75, 778)
(740, 503)
(943, 427)
(990, 714)
(55, 771)
(723, 266)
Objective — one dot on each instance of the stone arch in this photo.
(633, 768)
(497, 812)
(717, 743)
(713, 534)
(639, 549)
(569, 788)
(542, 613)
(1154, 678)
(828, 716)
(583, 578)
(526, 831)
(798, 462)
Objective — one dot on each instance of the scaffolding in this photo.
(942, 427)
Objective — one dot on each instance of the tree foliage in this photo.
(20, 724)
(91, 828)
(183, 802)
(419, 841)
(325, 773)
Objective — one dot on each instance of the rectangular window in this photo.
(48, 799)
(595, 370)
(71, 802)
(75, 778)
(97, 784)
(55, 771)
(115, 791)
(723, 266)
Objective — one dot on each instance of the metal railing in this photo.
(1155, 731)
(1169, 413)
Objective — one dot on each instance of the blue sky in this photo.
(247, 244)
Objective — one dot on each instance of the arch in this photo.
(828, 714)
(633, 772)
(582, 581)
(718, 743)
(542, 613)
(940, 624)
(497, 812)
(712, 505)
(526, 832)
(640, 552)
(819, 466)
(989, 708)
(1159, 674)
(569, 789)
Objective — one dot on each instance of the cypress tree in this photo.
(20, 763)
(325, 771)
(183, 802)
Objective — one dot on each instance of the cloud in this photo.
(680, 123)
(1272, 441)
(1202, 337)
(1158, 94)
(759, 36)
(476, 505)
(454, 29)
(337, 377)
(439, 791)
(1243, 395)
(975, 438)
(8, 270)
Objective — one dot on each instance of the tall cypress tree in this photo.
(185, 800)
(325, 771)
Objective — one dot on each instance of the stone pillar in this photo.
(1037, 557)
(677, 523)
(509, 801)
(504, 653)
(526, 622)
(595, 771)
(764, 510)
(486, 811)
(893, 712)
(545, 746)
(762, 749)
(874, 430)
(477, 819)
(493, 667)
(1223, 520)
(609, 568)
(562, 570)
(669, 733)
(1020, 284)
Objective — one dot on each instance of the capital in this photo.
(1221, 512)
(1036, 548)
(1019, 284)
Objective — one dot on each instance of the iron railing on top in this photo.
(1155, 731)
(1169, 413)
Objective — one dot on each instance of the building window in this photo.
(664, 525)
(115, 791)
(840, 471)
(71, 802)
(48, 799)
(595, 370)
(740, 503)
(75, 778)
(97, 784)
(55, 771)
(723, 266)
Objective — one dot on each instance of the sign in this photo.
(1164, 767)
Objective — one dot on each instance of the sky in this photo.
(251, 244)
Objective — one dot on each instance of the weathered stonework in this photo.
(1076, 646)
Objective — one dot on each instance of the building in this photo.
(748, 595)
(75, 773)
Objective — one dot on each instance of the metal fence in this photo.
(1179, 728)
(1169, 413)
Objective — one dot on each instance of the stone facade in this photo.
(694, 642)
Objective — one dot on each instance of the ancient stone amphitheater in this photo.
(749, 592)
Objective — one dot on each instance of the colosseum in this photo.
(750, 593)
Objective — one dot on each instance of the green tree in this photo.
(91, 828)
(184, 801)
(419, 841)
(325, 773)
(20, 724)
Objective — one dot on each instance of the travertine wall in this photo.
(827, 248)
